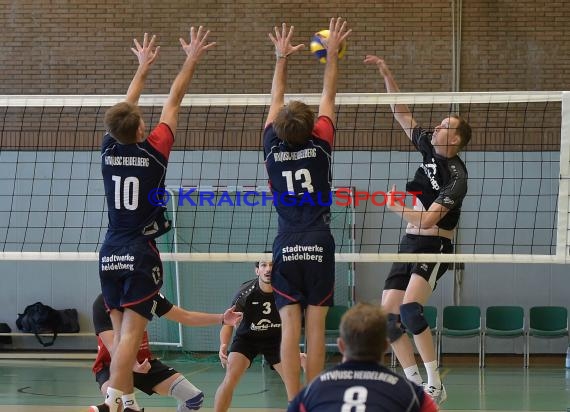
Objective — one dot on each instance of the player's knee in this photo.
(192, 404)
(395, 330)
(413, 319)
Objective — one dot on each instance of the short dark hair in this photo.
(257, 263)
(363, 330)
(294, 123)
(463, 130)
(122, 121)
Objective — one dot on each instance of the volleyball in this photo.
(318, 48)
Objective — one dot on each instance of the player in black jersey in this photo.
(361, 382)
(442, 181)
(298, 159)
(134, 167)
(259, 332)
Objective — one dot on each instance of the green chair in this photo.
(547, 322)
(505, 322)
(460, 322)
(430, 313)
(332, 324)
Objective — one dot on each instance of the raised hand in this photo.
(379, 62)
(198, 43)
(147, 53)
(282, 41)
(338, 32)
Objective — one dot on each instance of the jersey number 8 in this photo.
(355, 399)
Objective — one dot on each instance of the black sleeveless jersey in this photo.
(260, 314)
(438, 179)
(132, 174)
(300, 178)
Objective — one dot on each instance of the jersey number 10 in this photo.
(129, 190)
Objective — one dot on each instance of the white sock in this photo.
(433, 374)
(413, 374)
(113, 399)
(129, 401)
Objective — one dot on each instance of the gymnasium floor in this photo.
(49, 386)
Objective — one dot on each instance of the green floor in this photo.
(70, 383)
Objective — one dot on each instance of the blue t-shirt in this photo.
(300, 178)
(132, 174)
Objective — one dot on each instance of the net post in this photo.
(562, 251)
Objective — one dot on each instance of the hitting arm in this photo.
(401, 112)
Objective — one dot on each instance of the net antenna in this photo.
(516, 210)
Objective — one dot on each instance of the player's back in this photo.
(359, 386)
(133, 176)
(300, 178)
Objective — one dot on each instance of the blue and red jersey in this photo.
(300, 177)
(132, 174)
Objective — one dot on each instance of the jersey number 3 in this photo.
(128, 192)
(301, 175)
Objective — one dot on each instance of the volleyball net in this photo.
(53, 205)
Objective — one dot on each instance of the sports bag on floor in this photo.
(39, 318)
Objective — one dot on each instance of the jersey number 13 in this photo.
(301, 175)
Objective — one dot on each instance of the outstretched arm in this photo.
(401, 112)
(147, 55)
(337, 35)
(194, 51)
(187, 318)
(283, 49)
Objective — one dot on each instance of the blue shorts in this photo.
(303, 269)
(130, 276)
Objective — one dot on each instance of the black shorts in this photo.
(400, 273)
(251, 348)
(158, 373)
(130, 275)
(303, 268)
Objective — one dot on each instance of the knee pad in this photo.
(413, 317)
(395, 330)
